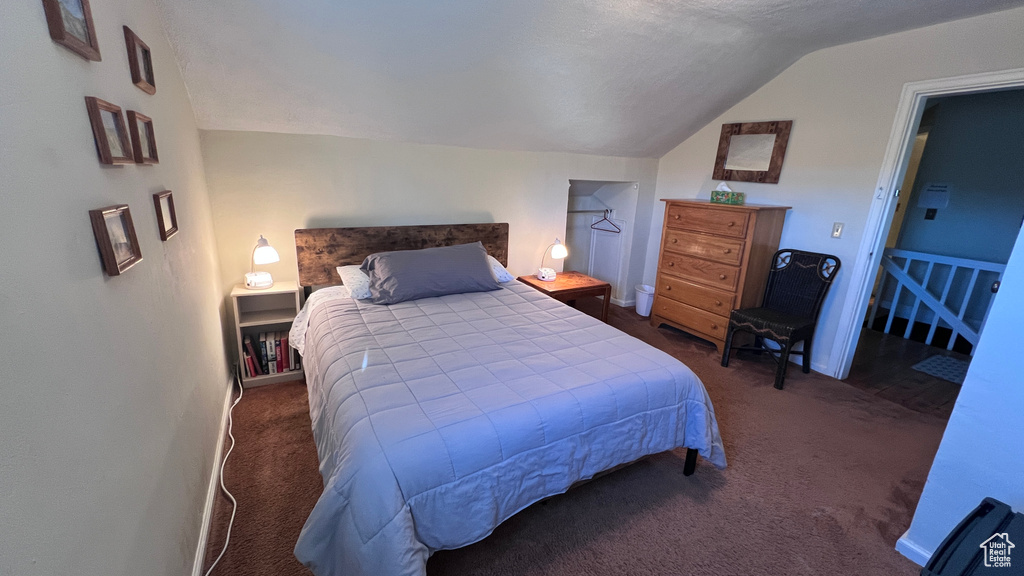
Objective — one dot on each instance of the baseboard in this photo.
(213, 486)
(624, 303)
(915, 553)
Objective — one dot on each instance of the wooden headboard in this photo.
(319, 251)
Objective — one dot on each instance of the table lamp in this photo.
(262, 253)
(558, 252)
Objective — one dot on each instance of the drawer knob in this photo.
(675, 240)
(727, 250)
(671, 263)
(714, 326)
(718, 302)
(721, 276)
(731, 224)
(667, 288)
(677, 216)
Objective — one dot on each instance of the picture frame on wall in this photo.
(109, 131)
(115, 238)
(166, 219)
(140, 62)
(70, 23)
(140, 127)
(752, 151)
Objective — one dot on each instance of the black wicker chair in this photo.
(797, 285)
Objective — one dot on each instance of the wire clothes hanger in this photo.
(606, 225)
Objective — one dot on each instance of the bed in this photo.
(437, 419)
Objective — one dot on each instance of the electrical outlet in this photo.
(837, 229)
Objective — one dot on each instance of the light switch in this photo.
(837, 229)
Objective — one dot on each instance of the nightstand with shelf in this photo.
(265, 310)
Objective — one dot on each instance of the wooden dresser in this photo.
(714, 259)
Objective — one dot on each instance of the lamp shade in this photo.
(264, 252)
(558, 251)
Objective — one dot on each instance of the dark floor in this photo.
(881, 366)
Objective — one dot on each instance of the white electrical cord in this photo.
(234, 503)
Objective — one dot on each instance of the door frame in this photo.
(894, 166)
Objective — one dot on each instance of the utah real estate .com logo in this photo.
(997, 550)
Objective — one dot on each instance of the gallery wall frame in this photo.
(109, 131)
(166, 218)
(115, 238)
(140, 62)
(71, 25)
(140, 127)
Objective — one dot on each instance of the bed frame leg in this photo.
(691, 462)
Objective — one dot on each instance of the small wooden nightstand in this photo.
(568, 286)
(260, 311)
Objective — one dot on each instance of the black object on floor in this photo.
(982, 543)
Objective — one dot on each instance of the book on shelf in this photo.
(251, 351)
(281, 364)
(263, 352)
(266, 339)
(250, 365)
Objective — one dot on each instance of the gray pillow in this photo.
(413, 274)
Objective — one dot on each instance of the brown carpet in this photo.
(822, 479)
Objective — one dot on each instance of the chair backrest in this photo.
(798, 282)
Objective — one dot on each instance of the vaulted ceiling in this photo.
(614, 77)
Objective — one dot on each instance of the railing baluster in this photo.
(917, 302)
(942, 301)
(967, 295)
(896, 299)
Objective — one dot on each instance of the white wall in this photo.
(842, 101)
(271, 184)
(112, 387)
(981, 453)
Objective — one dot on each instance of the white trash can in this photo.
(644, 299)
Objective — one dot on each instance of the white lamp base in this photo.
(546, 274)
(258, 280)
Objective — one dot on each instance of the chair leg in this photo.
(807, 354)
(758, 345)
(728, 346)
(780, 372)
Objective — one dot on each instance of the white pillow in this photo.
(356, 280)
(498, 271)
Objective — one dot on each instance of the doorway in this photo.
(908, 115)
(954, 225)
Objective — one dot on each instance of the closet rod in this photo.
(588, 211)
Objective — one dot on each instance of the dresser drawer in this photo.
(703, 271)
(692, 318)
(717, 301)
(724, 222)
(715, 248)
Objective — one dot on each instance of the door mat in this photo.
(950, 369)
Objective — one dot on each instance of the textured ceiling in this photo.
(614, 77)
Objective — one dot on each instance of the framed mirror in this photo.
(752, 151)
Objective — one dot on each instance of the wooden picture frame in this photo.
(140, 62)
(70, 23)
(140, 127)
(109, 131)
(115, 238)
(752, 151)
(166, 219)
